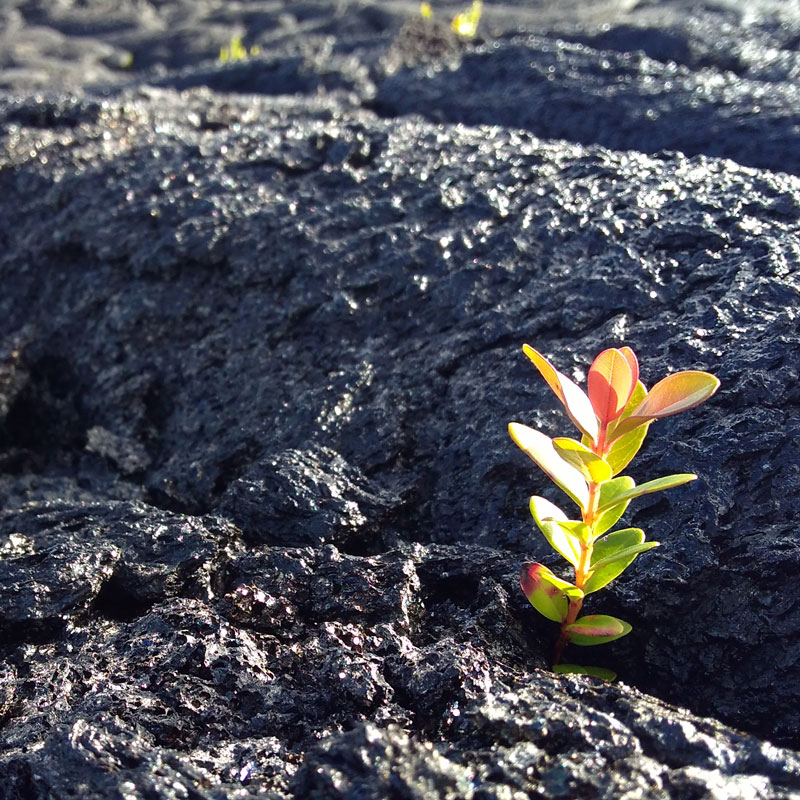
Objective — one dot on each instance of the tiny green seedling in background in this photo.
(236, 51)
(613, 419)
(465, 23)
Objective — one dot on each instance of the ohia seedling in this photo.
(613, 419)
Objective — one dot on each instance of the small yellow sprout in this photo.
(466, 23)
(236, 51)
(425, 10)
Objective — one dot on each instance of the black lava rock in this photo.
(260, 329)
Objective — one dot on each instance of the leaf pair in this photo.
(613, 379)
(550, 596)
(603, 560)
(558, 458)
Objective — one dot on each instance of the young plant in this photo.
(613, 420)
(465, 23)
(236, 51)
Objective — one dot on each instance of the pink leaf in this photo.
(612, 379)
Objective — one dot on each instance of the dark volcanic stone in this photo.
(261, 520)
(61, 563)
(369, 762)
(307, 497)
(622, 99)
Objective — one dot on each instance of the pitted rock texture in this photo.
(260, 329)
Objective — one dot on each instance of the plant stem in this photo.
(572, 615)
(585, 560)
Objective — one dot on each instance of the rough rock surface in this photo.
(260, 520)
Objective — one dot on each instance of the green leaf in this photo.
(549, 518)
(610, 492)
(548, 594)
(625, 553)
(638, 395)
(591, 466)
(575, 528)
(613, 554)
(657, 485)
(594, 672)
(624, 449)
(540, 449)
(573, 398)
(613, 542)
(596, 629)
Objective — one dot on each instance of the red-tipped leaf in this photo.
(676, 393)
(630, 357)
(612, 379)
(572, 397)
(596, 629)
(548, 594)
